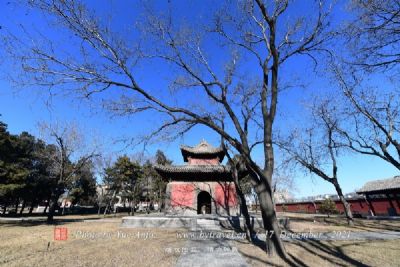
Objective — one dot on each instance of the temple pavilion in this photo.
(201, 186)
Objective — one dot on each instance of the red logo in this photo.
(60, 233)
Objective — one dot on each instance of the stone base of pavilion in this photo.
(193, 223)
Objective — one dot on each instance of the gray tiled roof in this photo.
(192, 168)
(381, 185)
(202, 148)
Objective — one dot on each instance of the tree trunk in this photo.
(132, 213)
(65, 203)
(23, 207)
(160, 200)
(31, 207)
(370, 207)
(273, 241)
(47, 205)
(52, 206)
(250, 234)
(346, 205)
(257, 203)
(110, 202)
(16, 206)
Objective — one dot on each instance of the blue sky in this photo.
(23, 109)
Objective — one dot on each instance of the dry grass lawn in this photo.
(301, 222)
(336, 224)
(88, 244)
(331, 253)
(106, 244)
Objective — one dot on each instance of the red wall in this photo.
(358, 206)
(196, 161)
(182, 195)
(225, 193)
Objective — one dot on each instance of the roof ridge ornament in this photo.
(203, 143)
(202, 149)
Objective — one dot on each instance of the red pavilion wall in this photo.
(182, 195)
(194, 161)
(225, 194)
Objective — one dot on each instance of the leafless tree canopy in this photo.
(317, 145)
(70, 146)
(372, 115)
(375, 33)
(317, 149)
(233, 90)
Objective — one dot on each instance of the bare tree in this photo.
(317, 148)
(69, 146)
(373, 116)
(371, 111)
(374, 33)
(239, 172)
(283, 183)
(247, 34)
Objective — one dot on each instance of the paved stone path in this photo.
(210, 253)
(220, 252)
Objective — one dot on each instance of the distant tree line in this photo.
(133, 182)
(33, 172)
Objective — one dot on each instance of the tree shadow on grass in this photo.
(327, 252)
(267, 263)
(365, 224)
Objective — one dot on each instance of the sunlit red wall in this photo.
(182, 195)
(196, 161)
(380, 206)
(225, 194)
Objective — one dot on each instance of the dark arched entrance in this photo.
(203, 203)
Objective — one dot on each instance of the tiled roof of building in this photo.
(381, 185)
(203, 148)
(192, 169)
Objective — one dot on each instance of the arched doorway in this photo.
(203, 203)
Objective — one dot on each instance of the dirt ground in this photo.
(104, 243)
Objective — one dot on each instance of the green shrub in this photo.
(328, 206)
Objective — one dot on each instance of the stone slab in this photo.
(210, 253)
(193, 222)
(157, 222)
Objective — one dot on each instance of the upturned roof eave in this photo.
(202, 149)
(186, 154)
(178, 169)
(383, 185)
